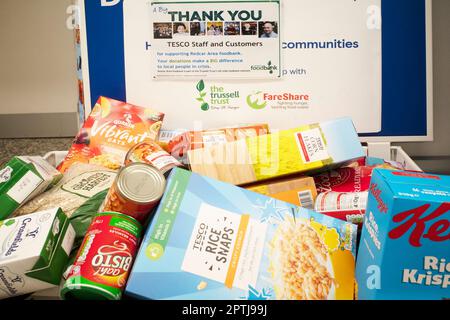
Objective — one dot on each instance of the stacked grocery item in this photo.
(228, 213)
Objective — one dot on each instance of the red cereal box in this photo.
(112, 128)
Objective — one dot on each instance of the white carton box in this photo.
(34, 251)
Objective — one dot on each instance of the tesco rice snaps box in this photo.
(210, 240)
(34, 250)
(404, 252)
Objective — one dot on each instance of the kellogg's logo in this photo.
(438, 231)
(382, 206)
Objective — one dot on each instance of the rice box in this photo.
(34, 250)
(404, 252)
(210, 240)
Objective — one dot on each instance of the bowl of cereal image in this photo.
(300, 265)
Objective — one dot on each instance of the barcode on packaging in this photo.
(306, 199)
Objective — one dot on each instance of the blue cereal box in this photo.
(214, 241)
(404, 252)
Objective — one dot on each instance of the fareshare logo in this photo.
(256, 101)
(269, 67)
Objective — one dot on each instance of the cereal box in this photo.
(210, 240)
(309, 148)
(404, 252)
(111, 130)
(22, 179)
(300, 191)
(34, 251)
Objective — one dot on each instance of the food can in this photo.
(347, 206)
(152, 154)
(136, 191)
(102, 265)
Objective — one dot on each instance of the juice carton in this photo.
(310, 148)
(210, 240)
(404, 252)
(34, 251)
(22, 179)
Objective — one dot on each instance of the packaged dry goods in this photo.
(80, 183)
(308, 148)
(181, 144)
(22, 179)
(34, 250)
(153, 154)
(298, 191)
(404, 252)
(384, 164)
(101, 267)
(110, 131)
(136, 191)
(212, 240)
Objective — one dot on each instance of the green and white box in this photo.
(22, 179)
(34, 251)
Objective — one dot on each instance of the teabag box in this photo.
(34, 251)
(404, 252)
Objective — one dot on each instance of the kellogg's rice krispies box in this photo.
(111, 130)
(211, 240)
(404, 252)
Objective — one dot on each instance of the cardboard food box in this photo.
(297, 191)
(210, 240)
(181, 144)
(112, 128)
(404, 252)
(23, 178)
(304, 149)
(34, 250)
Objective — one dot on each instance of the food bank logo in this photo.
(216, 98)
(267, 67)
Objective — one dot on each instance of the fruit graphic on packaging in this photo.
(111, 130)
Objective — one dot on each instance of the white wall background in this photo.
(37, 58)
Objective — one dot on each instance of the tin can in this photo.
(152, 154)
(347, 206)
(136, 191)
(102, 265)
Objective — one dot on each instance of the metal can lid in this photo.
(141, 183)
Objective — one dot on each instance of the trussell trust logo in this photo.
(216, 97)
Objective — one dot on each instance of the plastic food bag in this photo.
(79, 184)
